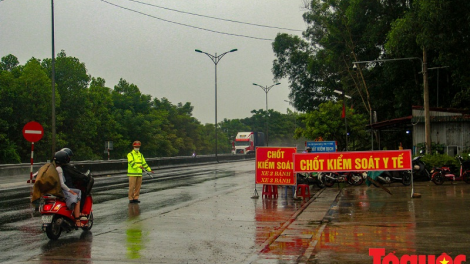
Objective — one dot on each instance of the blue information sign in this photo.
(322, 146)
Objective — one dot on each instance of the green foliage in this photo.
(8, 153)
(442, 29)
(343, 31)
(326, 122)
(88, 113)
(436, 148)
(439, 160)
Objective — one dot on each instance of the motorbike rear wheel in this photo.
(355, 179)
(328, 179)
(406, 178)
(438, 178)
(54, 230)
(466, 177)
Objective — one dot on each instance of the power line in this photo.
(186, 25)
(211, 17)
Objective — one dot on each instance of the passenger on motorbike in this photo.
(79, 180)
(71, 194)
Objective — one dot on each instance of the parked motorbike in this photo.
(444, 173)
(352, 178)
(310, 179)
(403, 177)
(419, 169)
(56, 217)
(464, 169)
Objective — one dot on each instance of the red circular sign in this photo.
(33, 131)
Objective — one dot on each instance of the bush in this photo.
(435, 147)
(8, 154)
(439, 160)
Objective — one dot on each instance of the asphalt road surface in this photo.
(205, 214)
(200, 214)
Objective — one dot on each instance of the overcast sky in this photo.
(129, 42)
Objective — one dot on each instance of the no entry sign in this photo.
(33, 131)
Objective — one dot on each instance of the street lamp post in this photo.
(345, 117)
(266, 90)
(427, 120)
(216, 60)
(53, 82)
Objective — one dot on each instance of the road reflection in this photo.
(55, 251)
(275, 215)
(134, 235)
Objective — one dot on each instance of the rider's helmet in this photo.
(61, 157)
(136, 144)
(309, 149)
(68, 151)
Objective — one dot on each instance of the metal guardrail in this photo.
(108, 167)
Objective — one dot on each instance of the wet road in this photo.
(210, 218)
(367, 218)
(207, 217)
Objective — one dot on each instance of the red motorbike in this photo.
(55, 215)
(444, 173)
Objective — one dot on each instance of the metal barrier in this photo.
(109, 167)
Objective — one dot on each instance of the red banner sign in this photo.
(385, 160)
(274, 166)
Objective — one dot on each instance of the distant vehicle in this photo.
(246, 142)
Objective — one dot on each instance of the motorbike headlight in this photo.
(416, 167)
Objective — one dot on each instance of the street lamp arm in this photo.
(427, 125)
(215, 58)
(266, 88)
(221, 55)
(398, 59)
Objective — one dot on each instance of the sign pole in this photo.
(32, 132)
(413, 194)
(255, 193)
(31, 170)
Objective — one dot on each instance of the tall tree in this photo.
(326, 122)
(72, 81)
(441, 29)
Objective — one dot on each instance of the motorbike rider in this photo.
(71, 194)
(84, 180)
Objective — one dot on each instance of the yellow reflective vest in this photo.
(134, 161)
